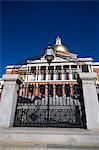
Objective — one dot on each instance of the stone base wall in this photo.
(48, 139)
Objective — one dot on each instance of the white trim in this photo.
(95, 66)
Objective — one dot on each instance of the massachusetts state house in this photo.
(61, 74)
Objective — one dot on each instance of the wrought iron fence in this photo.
(97, 89)
(1, 88)
(48, 110)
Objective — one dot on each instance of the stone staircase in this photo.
(48, 139)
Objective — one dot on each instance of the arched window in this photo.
(67, 90)
(30, 88)
(50, 89)
(42, 89)
(59, 90)
(76, 91)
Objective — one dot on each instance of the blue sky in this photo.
(27, 27)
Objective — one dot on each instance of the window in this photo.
(76, 92)
(66, 75)
(73, 66)
(50, 89)
(58, 67)
(66, 67)
(30, 88)
(51, 76)
(44, 76)
(76, 89)
(67, 90)
(33, 70)
(50, 70)
(59, 90)
(85, 68)
(58, 76)
(74, 75)
(42, 89)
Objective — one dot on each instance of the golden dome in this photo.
(61, 48)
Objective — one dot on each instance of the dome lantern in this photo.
(58, 41)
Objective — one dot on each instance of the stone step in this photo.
(48, 139)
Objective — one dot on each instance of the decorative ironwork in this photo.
(49, 111)
(1, 88)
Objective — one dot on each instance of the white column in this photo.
(27, 74)
(62, 72)
(90, 99)
(39, 74)
(78, 70)
(9, 99)
(89, 68)
(36, 73)
(54, 76)
(46, 73)
(70, 75)
(92, 68)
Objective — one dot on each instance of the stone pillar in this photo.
(90, 99)
(9, 99)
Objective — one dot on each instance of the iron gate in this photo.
(49, 111)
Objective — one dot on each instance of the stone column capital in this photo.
(88, 76)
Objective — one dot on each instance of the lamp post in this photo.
(49, 56)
